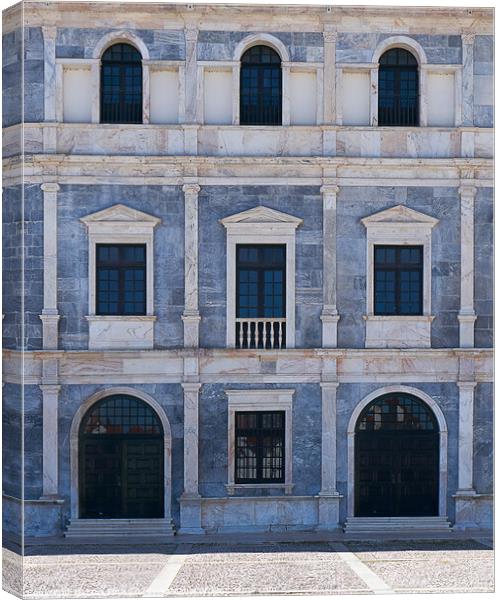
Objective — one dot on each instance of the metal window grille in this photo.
(397, 412)
(121, 85)
(121, 414)
(398, 97)
(398, 281)
(260, 87)
(260, 447)
(121, 279)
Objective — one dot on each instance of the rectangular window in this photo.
(121, 279)
(260, 447)
(398, 280)
(260, 296)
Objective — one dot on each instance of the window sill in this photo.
(398, 331)
(233, 487)
(121, 332)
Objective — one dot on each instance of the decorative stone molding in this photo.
(265, 39)
(121, 224)
(443, 441)
(50, 315)
(120, 36)
(329, 315)
(260, 225)
(400, 41)
(50, 441)
(260, 400)
(399, 225)
(191, 316)
(75, 444)
(467, 315)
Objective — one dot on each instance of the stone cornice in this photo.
(258, 16)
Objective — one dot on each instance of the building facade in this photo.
(247, 267)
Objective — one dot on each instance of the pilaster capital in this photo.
(329, 37)
(329, 385)
(466, 385)
(468, 38)
(49, 33)
(468, 191)
(50, 187)
(191, 189)
(329, 189)
(50, 388)
(191, 387)
(191, 34)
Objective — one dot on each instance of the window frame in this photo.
(260, 225)
(265, 400)
(260, 433)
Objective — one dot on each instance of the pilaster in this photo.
(50, 445)
(329, 315)
(50, 315)
(468, 79)
(191, 315)
(49, 72)
(467, 315)
(329, 92)
(191, 72)
(190, 500)
(465, 437)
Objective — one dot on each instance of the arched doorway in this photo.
(397, 448)
(121, 466)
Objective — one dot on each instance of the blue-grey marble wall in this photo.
(165, 202)
(168, 396)
(359, 47)
(217, 202)
(483, 265)
(12, 439)
(220, 45)
(353, 204)
(33, 441)
(306, 436)
(12, 77)
(349, 395)
(162, 44)
(12, 240)
(483, 438)
(483, 80)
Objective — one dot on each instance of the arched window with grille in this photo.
(121, 85)
(398, 98)
(260, 87)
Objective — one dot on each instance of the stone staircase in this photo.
(119, 528)
(399, 525)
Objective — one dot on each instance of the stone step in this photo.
(119, 528)
(395, 524)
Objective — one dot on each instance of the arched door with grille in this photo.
(121, 460)
(396, 458)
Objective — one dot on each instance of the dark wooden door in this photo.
(396, 474)
(121, 477)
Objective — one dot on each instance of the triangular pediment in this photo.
(399, 214)
(120, 213)
(262, 214)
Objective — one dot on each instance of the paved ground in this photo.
(258, 568)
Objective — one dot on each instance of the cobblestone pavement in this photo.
(260, 568)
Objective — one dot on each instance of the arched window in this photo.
(398, 88)
(121, 85)
(260, 87)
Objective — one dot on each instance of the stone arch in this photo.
(400, 41)
(74, 443)
(264, 39)
(443, 440)
(116, 37)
